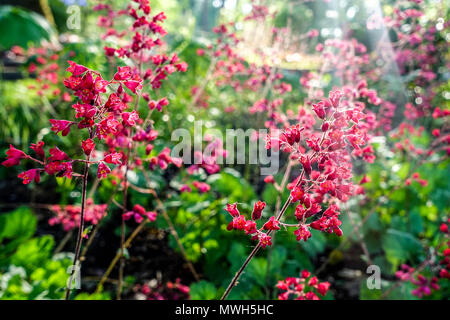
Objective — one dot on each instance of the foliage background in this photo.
(401, 222)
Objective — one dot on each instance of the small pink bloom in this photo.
(103, 170)
(113, 158)
(30, 175)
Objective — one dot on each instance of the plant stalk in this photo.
(81, 227)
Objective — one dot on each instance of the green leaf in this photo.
(93, 296)
(33, 252)
(15, 227)
(203, 290)
(257, 270)
(316, 244)
(21, 223)
(400, 292)
(373, 223)
(400, 246)
(368, 294)
(416, 222)
(278, 258)
(23, 27)
(236, 255)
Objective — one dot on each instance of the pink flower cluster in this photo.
(147, 33)
(69, 216)
(426, 285)
(170, 291)
(143, 44)
(46, 70)
(139, 214)
(306, 287)
(326, 162)
(58, 163)
(230, 69)
(444, 262)
(249, 226)
(100, 118)
(207, 159)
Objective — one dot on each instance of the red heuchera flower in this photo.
(158, 104)
(30, 175)
(163, 160)
(302, 288)
(113, 158)
(103, 170)
(232, 209)
(130, 118)
(97, 117)
(272, 224)
(325, 159)
(185, 188)
(209, 158)
(57, 155)
(139, 213)
(250, 227)
(13, 157)
(239, 222)
(257, 210)
(147, 34)
(46, 71)
(425, 284)
(38, 149)
(88, 146)
(76, 69)
(269, 179)
(61, 126)
(302, 233)
(264, 239)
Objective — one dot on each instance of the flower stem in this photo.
(122, 232)
(284, 181)
(239, 272)
(258, 246)
(81, 227)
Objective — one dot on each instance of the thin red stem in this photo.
(81, 227)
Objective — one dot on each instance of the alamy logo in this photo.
(75, 277)
(373, 281)
(74, 19)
